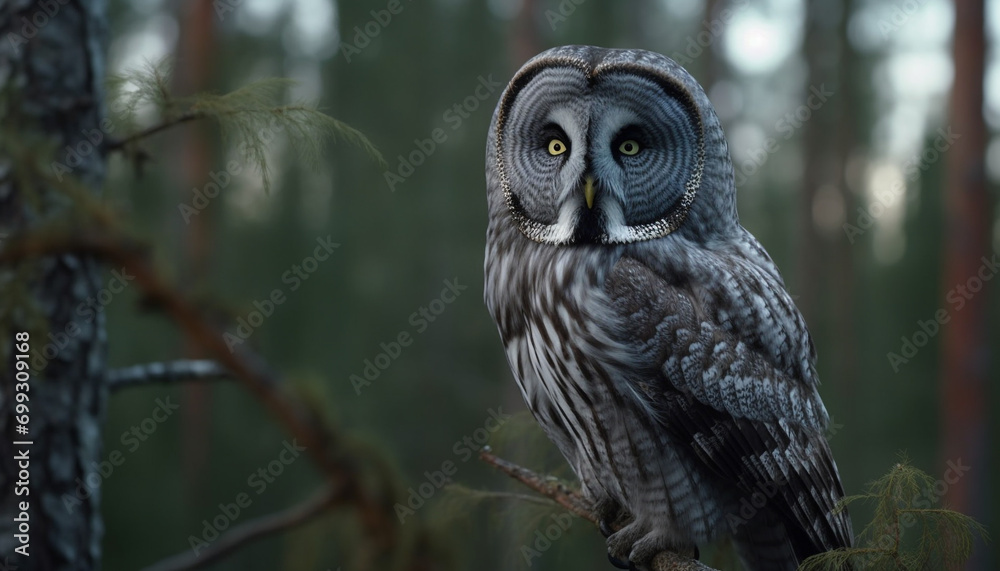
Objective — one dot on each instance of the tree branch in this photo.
(249, 532)
(168, 372)
(579, 505)
(547, 486)
(118, 144)
(347, 474)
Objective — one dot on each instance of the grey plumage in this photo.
(649, 333)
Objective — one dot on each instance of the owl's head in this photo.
(599, 146)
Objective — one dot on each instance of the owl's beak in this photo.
(589, 191)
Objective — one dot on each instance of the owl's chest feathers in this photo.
(557, 323)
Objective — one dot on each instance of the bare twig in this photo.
(168, 372)
(530, 498)
(118, 144)
(548, 487)
(579, 505)
(248, 532)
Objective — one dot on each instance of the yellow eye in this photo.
(556, 147)
(629, 148)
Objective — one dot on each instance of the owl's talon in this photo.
(621, 542)
(618, 562)
(605, 528)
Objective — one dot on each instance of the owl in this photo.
(649, 333)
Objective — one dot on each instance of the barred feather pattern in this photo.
(673, 372)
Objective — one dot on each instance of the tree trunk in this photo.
(825, 263)
(817, 173)
(195, 69)
(966, 354)
(844, 279)
(52, 71)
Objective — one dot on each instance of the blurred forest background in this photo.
(850, 191)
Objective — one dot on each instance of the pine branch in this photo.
(494, 495)
(249, 532)
(548, 487)
(168, 372)
(901, 535)
(118, 144)
(574, 502)
(251, 116)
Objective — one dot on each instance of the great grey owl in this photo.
(649, 332)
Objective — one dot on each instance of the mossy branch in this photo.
(250, 117)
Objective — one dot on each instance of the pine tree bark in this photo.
(52, 70)
(966, 352)
(195, 70)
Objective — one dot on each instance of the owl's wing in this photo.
(721, 367)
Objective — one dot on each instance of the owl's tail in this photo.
(763, 545)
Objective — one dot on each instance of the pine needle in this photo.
(906, 531)
(249, 117)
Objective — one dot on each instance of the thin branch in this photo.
(249, 532)
(579, 505)
(118, 144)
(531, 499)
(168, 372)
(548, 487)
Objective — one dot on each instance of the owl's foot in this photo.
(621, 542)
(618, 562)
(638, 545)
(610, 517)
